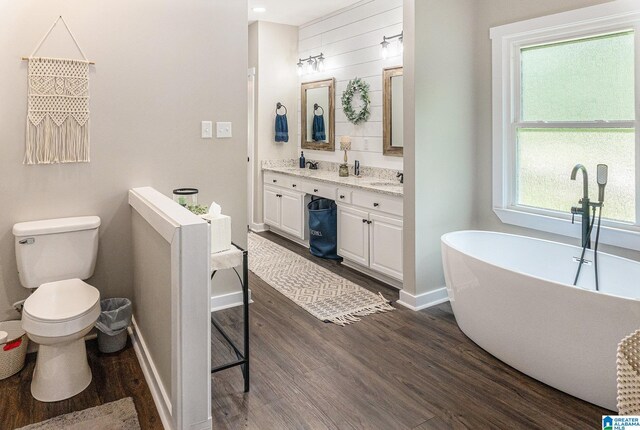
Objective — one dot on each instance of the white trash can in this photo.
(13, 348)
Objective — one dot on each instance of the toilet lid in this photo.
(61, 300)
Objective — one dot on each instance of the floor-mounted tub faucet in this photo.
(602, 179)
(584, 209)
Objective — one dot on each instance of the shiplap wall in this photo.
(350, 41)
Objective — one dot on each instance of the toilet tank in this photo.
(56, 249)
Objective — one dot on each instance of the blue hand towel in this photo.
(282, 128)
(317, 132)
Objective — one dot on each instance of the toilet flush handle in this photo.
(27, 241)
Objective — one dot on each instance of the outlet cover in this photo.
(207, 130)
(223, 129)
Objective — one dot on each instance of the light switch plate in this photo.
(207, 130)
(223, 129)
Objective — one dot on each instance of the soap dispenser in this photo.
(302, 161)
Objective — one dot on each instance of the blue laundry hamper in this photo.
(323, 228)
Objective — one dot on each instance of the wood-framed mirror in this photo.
(318, 115)
(392, 99)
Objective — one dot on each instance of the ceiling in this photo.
(294, 12)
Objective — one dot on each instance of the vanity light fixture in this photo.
(385, 44)
(311, 64)
(259, 9)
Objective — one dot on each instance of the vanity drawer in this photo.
(276, 180)
(296, 184)
(320, 190)
(343, 195)
(377, 202)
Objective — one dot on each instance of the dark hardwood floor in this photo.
(397, 370)
(115, 376)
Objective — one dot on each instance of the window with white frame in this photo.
(566, 94)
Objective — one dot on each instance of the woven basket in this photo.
(628, 363)
(14, 350)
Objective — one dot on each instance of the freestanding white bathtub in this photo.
(513, 296)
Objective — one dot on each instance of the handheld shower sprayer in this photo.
(603, 176)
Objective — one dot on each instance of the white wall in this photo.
(161, 69)
(350, 41)
(493, 13)
(273, 50)
(439, 133)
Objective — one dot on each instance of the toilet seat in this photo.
(61, 308)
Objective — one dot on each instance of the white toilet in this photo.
(53, 257)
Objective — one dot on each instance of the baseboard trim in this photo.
(158, 393)
(424, 300)
(226, 301)
(258, 227)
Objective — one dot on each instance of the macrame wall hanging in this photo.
(58, 107)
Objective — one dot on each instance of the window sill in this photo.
(620, 237)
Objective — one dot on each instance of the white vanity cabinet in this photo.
(353, 234)
(369, 222)
(271, 206)
(284, 209)
(371, 240)
(385, 245)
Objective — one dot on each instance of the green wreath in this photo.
(356, 85)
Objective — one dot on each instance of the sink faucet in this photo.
(583, 210)
(401, 176)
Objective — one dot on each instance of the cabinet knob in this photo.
(375, 205)
(342, 196)
(364, 220)
(275, 180)
(315, 190)
(294, 185)
(369, 222)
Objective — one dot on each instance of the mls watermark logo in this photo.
(617, 422)
(607, 423)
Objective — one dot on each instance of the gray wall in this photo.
(409, 151)
(440, 138)
(162, 67)
(152, 293)
(492, 13)
(448, 140)
(273, 51)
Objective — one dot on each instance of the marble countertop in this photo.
(368, 183)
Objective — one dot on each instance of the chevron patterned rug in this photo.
(322, 293)
(118, 415)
